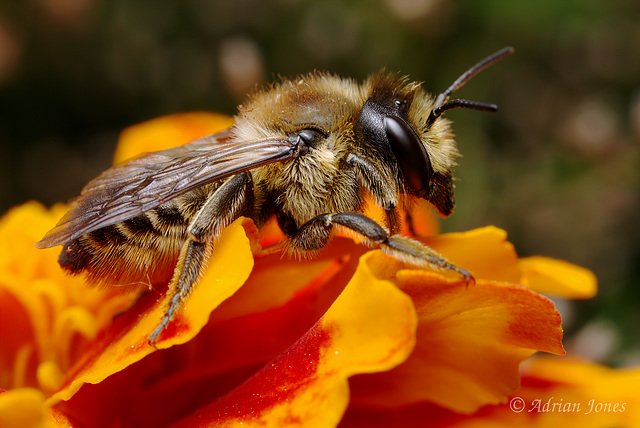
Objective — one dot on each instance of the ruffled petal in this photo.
(280, 301)
(369, 328)
(470, 340)
(487, 254)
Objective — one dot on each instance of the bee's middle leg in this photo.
(315, 233)
(231, 200)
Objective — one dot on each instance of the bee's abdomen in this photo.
(142, 250)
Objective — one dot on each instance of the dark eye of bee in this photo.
(410, 153)
(310, 137)
(307, 138)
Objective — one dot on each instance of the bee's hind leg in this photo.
(190, 263)
(231, 200)
(314, 234)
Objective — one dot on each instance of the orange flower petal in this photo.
(555, 393)
(125, 341)
(273, 309)
(591, 395)
(307, 384)
(470, 341)
(22, 408)
(485, 252)
(168, 131)
(550, 276)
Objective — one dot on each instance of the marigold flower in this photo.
(351, 337)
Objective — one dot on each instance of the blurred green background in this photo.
(557, 167)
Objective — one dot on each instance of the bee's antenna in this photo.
(442, 102)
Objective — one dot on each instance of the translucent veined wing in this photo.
(151, 179)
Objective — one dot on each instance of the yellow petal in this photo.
(125, 342)
(557, 277)
(485, 252)
(564, 393)
(22, 408)
(370, 327)
(51, 315)
(600, 396)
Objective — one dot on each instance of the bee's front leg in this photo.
(314, 234)
(231, 200)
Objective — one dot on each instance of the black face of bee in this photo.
(412, 158)
(384, 123)
(386, 128)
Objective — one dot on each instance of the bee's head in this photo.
(405, 129)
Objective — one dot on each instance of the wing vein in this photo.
(152, 179)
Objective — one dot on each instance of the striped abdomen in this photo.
(141, 251)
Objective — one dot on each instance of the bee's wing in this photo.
(152, 179)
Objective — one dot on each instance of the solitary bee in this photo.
(308, 151)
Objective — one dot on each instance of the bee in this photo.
(308, 151)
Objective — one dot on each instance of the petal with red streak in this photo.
(369, 328)
(555, 393)
(278, 304)
(125, 341)
(470, 341)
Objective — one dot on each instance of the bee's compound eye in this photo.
(310, 137)
(410, 153)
